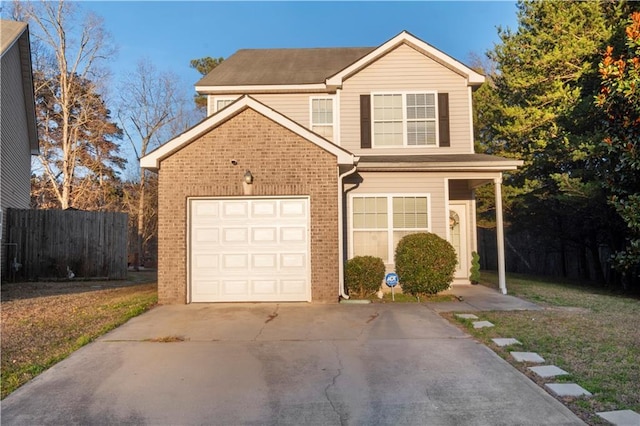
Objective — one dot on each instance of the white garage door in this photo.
(249, 250)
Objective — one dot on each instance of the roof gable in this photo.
(152, 160)
(473, 78)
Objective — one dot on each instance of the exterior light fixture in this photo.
(248, 177)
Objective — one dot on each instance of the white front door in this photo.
(249, 250)
(458, 238)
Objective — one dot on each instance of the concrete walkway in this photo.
(481, 298)
(285, 364)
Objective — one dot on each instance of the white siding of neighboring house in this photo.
(406, 69)
(15, 166)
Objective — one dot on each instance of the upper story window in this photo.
(404, 119)
(222, 102)
(322, 117)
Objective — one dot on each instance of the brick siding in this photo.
(282, 162)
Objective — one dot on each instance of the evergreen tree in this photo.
(619, 154)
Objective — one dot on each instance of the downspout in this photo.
(341, 289)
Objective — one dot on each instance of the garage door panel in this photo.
(207, 212)
(235, 261)
(235, 287)
(206, 261)
(264, 261)
(249, 250)
(235, 235)
(291, 261)
(264, 287)
(203, 236)
(266, 209)
(293, 209)
(292, 286)
(204, 289)
(264, 235)
(293, 234)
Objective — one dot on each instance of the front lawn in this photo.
(591, 334)
(43, 323)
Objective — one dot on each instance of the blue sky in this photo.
(170, 34)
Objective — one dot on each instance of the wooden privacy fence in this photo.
(62, 244)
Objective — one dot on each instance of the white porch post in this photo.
(500, 236)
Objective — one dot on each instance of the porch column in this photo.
(500, 236)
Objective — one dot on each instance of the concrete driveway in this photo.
(285, 364)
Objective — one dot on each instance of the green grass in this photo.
(589, 333)
(38, 332)
(407, 298)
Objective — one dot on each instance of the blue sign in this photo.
(391, 279)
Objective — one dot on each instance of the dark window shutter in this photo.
(365, 121)
(443, 119)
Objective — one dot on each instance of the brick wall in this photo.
(281, 162)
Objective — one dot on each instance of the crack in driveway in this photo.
(270, 318)
(343, 417)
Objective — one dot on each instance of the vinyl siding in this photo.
(292, 105)
(295, 106)
(406, 70)
(15, 158)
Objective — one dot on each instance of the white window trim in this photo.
(389, 196)
(332, 98)
(404, 119)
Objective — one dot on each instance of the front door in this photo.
(458, 238)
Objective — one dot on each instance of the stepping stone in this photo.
(482, 324)
(567, 389)
(548, 371)
(505, 342)
(621, 417)
(467, 316)
(527, 357)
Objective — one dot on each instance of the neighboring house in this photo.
(312, 156)
(18, 135)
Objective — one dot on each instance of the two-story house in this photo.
(309, 157)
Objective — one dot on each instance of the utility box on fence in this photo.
(63, 244)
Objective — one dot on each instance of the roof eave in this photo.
(261, 88)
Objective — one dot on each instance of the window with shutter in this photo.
(404, 120)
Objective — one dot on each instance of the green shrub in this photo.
(425, 263)
(364, 275)
(475, 268)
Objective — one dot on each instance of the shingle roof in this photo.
(9, 32)
(248, 67)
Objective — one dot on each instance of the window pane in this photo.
(321, 111)
(325, 131)
(221, 103)
(371, 243)
(358, 220)
(358, 205)
(398, 220)
(410, 212)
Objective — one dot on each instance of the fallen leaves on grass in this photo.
(42, 323)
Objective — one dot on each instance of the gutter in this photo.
(341, 290)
